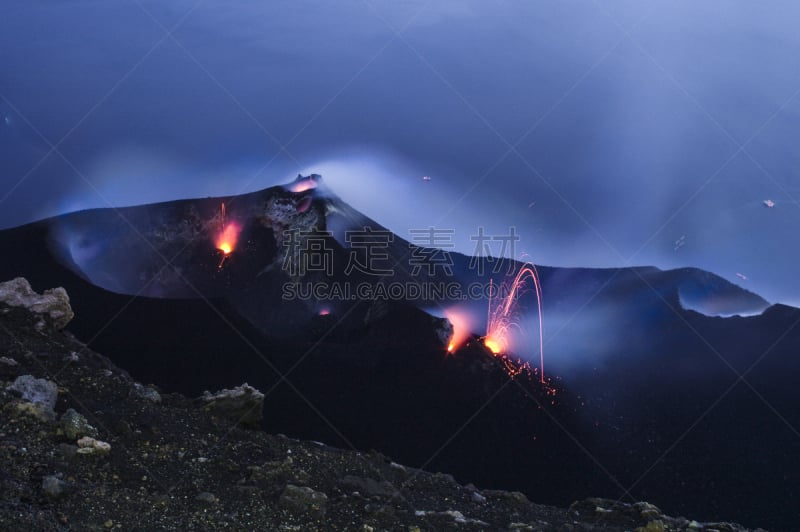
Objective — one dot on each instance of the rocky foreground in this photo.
(85, 447)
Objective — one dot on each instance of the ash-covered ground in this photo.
(85, 447)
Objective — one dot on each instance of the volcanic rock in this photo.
(39, 396)
(40, 391)
(242, 404)
(303, 500)
(368, 487)
(9, 368)
(75, 425)
(146, 392)
(89, 445)
(53, 487)
(207, 497)
(51, 308)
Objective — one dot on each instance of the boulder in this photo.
(75, 425)
(50, 309)
(303, 501)
(88, 445)
(39, 396)
(243, 404)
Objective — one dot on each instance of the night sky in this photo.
(606, 133)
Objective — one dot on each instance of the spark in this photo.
(502, 321)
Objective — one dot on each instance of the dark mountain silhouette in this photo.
(637, 358)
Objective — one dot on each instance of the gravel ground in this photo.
(84, 447)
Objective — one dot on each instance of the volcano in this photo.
(675, 386)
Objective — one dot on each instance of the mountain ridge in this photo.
(630, 367)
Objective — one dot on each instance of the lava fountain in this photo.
(503, 320)
(227, 237)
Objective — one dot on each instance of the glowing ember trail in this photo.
(227, 237)
(502, 321)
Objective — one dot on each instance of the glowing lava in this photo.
(462, 326)
(226, 241)
(493, 345)
(227, 237)
(503, 321)
(309, 183)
